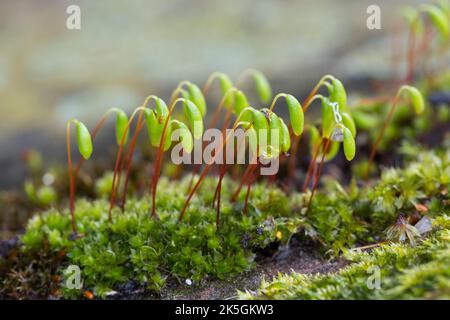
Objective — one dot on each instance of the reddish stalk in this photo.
(316, 180)
(217, 193)
(120, 174)
(292, 158)
(306, 104)
(158, 162)
(219, 109)
(213, 123)
(236, 169)
(291, 161)
(223, 167)
(247, 194)
(312, 165)
(195, 171)
(71, 180)
(313, 92)
(202, 176)
(128, 161)
(113, 188)
(241, 78)
(118, 165)
(209, 82)
(74, 173)
(160, 153)
(252, 180)
(373, 100)
(245, 177)
(191, 193)
(219, 186)
(380, 135)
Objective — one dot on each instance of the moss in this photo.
(340, 218)
(405, 272)
(151, 251)
(422, 181)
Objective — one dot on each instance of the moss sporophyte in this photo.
(418, 105)
(84, 142)
(420, 21)
(268, 137)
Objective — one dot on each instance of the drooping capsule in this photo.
(84, 140)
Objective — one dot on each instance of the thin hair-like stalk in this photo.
(311, 97)
(129, 160)
(312, 164)
(418, 105)
(219, 108)
(296, 124)
(225, 82)
(205, 172)
(160, 151)
(316, 180)
(223, 151)
(177, 91)
(292, 158)
(99, 125)
(291, 163)
(244, 75)
(97, 128)
(306, 104)
(119, 161)
(223, 170)
(252, 179)
(131, 148)
(262, 85)
(247, 173)
(71, 178)
(84, 142)
(381, 134)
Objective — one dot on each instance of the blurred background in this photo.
(126, 50)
